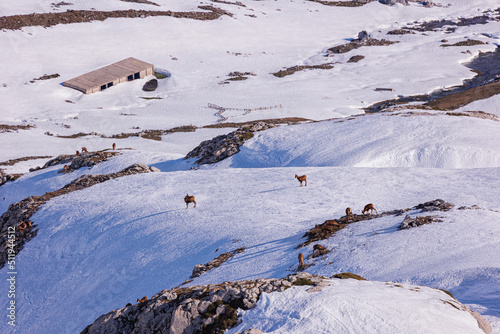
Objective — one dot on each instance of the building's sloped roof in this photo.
(108, 73)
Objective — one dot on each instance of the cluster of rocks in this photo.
(223, 146)
(410, 222)
(199, 309)
(435, 205)
(329, 227)
(4, 177)
(363, 39)
(74, 161)
(407, 2)
(296, 68)
(200, 269)
(23, 210)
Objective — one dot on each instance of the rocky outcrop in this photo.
(410, 222)
(221, 147)
(435, 205)
(75, 161)
(330, 227)
(150, 86)
(200, 269)
(20, 212)
(363, 39)
(198, 309)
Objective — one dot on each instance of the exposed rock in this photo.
(199, 309)
(74, 162)
(221, 147)
(393, 2)
(435, 205)
(200, 269)
(474, 207)
(363, 40)
(21, 211)
(410, 222)
(150, 86)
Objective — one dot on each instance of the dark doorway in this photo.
(110, 84)
(137, 75)
(103, 87)
(130, 77)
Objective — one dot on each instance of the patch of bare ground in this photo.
(400, 32)
(475, 113)
(330, 227)
(146, 134)
(46, 77)
(46, 20)
(142, 2)
(237, 3)
(449, 24)
(352, 3)
(469, 42)
(293, 69)
(460, 99)
(12, 162)
(12, 128)
(355, 59)
(19, 213)
(275, 121)
(363, 40)
(200, 269)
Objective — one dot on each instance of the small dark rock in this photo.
(150, 86)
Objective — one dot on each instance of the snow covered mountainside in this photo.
(394, 105)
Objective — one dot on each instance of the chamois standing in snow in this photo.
(370, 208)
(77, 152)
(189, 199)
(301, 260)
(65, 169)
(301, 179)
(348, 213)
(84, 149)
(114, 146)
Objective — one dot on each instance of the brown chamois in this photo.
(348, 213)
(65, 169)
(114, 146)
(369, 207)
(318, 247)
(301, 260)
(22, 226)
(142, 300)
(77, 152)
(189, 199)
(84, 149)
(301, 179)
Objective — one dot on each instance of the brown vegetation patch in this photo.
(461, 22)
(46, 20)
(237, 3)
(355, 44)
(349, 275)
(293, 69)
(142, 2)
(469, 42)
(460, 99)
(22, 211)
(476, 113)
(352, 3)
(11, 128)
(400, 32)
(46, 77)
(355, 59)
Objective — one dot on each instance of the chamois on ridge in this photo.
(301, 179)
